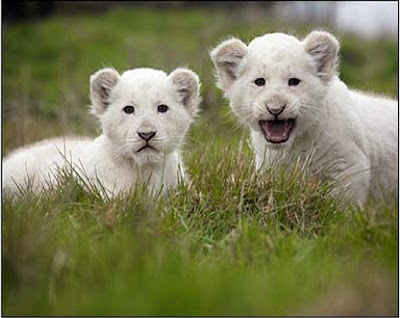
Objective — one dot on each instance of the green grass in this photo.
(232, 241)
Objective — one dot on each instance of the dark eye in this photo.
(294, 81)
(129, 109)
(162, 108)
(260, 81)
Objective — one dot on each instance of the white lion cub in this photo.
(289, 94)
(145, 115)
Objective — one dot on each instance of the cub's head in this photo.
(145, 113)
(277, 83)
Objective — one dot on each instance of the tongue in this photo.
(277, 130)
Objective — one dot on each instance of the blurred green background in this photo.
(230, 243)
(47, 60)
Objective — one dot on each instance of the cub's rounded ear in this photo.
(101, 84)
(187, 85)
(323, 48)
(226, 58)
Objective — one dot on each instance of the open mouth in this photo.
(147, 146)
(277, 131)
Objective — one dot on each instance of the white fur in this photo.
(353, 136)
(113, 157)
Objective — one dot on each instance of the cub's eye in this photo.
(294, 81)
(129, 109)
(162, 108)
(260, 81)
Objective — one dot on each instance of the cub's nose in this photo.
(276, 110)
(146, 135)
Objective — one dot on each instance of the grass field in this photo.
(232, 241)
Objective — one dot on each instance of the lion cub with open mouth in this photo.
(145, 115)
(289, 94)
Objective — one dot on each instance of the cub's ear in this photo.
(226, 58)
(101, 84)
(187, 85)
(323, 48)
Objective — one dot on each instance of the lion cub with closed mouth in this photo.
(145, 115)
(288, 93)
